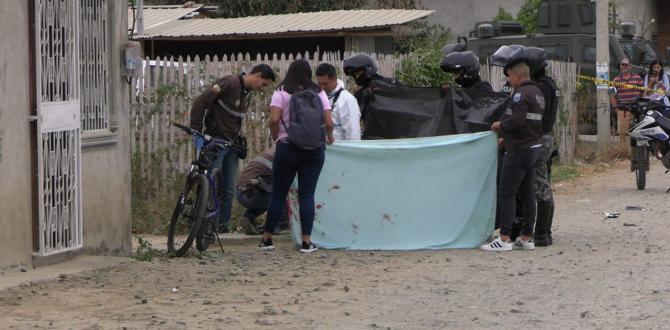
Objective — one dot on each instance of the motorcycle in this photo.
(649, 135)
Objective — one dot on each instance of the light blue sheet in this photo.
(424, 193)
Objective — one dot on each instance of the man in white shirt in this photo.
(346, 114)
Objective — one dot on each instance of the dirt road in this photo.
(600, 274)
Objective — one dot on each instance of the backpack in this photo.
(306, 129)
(551, 105)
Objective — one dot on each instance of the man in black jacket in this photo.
(521, 131)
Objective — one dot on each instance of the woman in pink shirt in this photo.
(291, 160)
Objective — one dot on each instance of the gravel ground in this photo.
(599, 274)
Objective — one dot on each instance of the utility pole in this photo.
(602, 72)
(140, 17)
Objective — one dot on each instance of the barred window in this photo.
(94, 70)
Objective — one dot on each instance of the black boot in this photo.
(543, 223)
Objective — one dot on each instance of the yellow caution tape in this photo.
(618, 84)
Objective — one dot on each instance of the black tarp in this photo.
(397, 112)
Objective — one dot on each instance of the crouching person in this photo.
(254, 188)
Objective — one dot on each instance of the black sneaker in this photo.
(266, 245)
(308, 247)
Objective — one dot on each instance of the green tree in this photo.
(422, 66)
(527, 15)
(503, 15)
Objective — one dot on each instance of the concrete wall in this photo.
(105, 155)
(460, 16)
(106, 161)
(640, 12)
(15, 163)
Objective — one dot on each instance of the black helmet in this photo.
(450, 48)
(466, 64)
(360, 62)
(501, 56)
(536, 59)
(508, 56)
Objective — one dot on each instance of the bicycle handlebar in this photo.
(654, 104)
(208, 138)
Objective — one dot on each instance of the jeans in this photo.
(517, 180)
(288, 161)
(226, 160)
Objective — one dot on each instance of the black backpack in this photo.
(306, 129)
(548, 87)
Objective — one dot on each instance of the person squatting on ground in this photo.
(218, 112)
(254, 187)
(346, 114)
(619, 102)
(299, 111)
(521, 130)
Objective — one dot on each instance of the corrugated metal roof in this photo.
(340, 20)
(155, 16)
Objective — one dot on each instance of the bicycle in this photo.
(194, 215)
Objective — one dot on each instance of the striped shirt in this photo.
(627, 95)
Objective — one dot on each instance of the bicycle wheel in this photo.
(206, 233)
(188, 213)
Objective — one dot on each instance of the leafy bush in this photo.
(422, 66)
(422, 69)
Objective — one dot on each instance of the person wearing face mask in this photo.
(363, 69)
(625, 95)
(465, 66)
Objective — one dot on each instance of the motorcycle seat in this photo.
(664, 122)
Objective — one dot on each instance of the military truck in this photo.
(566, 29)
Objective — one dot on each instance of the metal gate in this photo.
(58, 126)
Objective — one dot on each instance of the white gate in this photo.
(58, 126)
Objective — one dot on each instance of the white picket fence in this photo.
(164, 92)
(167, 86)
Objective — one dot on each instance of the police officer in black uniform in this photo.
(363, 69)
(543, 192)
(521, 131)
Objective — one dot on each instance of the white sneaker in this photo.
(497, 245)
(520, 244)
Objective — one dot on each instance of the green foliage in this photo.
(563, 173)
(424, 35)
(145, 251)
(503, 15)
(151, 207)
(527, 15)
(421, 69)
